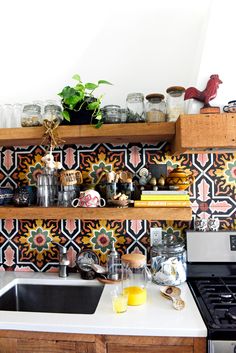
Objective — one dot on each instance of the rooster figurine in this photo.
(205, 96)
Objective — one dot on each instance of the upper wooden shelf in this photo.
(132, 213)
(83, 134)
(205, 133)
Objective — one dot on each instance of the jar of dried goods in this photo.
(174, 102)
(52, 113)
(155, 108)
(31, 115)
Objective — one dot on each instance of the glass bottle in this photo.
(174, 102)
(168, 261)
(136, 276)
(114, 264)
(135, 108)
(155, 108)
(31, 115)
(52, 112)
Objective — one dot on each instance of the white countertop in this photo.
(155, 318)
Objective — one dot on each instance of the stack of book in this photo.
(163, 198)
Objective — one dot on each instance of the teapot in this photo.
(181, 178)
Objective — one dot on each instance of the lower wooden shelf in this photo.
(150, 213)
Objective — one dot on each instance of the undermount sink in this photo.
(70, 299)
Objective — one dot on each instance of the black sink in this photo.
(52, 298)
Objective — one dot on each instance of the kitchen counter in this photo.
(155, 318)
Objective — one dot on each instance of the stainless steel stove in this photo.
(211, 273)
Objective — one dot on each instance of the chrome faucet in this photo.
(63, 260)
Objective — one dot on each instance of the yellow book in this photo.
(162, 203)
(165, 197)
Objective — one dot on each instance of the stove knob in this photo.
(234, 349)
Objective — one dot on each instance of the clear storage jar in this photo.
(52, 113)
(168, 261)
(135, 279)
(174, 102)
(135, 108)
(31, 115)
(111, 114)
(155, 108)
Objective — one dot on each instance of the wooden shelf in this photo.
(150, 213)
(205, 133)
(83, 134)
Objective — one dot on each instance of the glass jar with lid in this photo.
(174, 102)
(168, 261)
(111, 114)
(135, 108)
(136, 277)
(31, 115)
(155, 108)
(52, 113)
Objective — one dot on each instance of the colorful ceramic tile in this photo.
(26, 245)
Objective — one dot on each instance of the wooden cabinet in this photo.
(44, 342)
(205, 133)
(127, 344)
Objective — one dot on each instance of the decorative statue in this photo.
(205, 96)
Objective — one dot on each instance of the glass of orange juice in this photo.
(119, 301)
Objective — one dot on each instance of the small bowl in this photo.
(120, 203)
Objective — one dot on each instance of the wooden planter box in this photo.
(202, 133)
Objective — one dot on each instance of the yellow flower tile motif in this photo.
(36, 243)
(227, 171)
(100, 237)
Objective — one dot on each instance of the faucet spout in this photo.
(63, 260)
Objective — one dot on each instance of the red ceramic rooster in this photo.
(207, 95)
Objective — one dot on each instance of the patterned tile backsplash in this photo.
(26, 245)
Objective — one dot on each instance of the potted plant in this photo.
(79, 104)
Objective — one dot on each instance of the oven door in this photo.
(222, 346)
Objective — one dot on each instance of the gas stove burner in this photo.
(226, 297)
(231, 313)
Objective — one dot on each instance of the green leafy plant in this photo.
(81, 96)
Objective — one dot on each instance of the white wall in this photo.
(138, 45)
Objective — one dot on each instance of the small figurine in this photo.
(49, 162)
(206, 95)
(145, 176)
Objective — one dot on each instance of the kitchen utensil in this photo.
(173, 293)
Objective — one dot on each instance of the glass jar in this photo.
(47, 187)
(111, 114)
(135, 108)
(136, 276)
(168, 261)
(52, 113)
(123, 115)
(31, 115)
(174, 102)
(155, 108)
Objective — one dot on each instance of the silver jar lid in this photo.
(171, 244)
(32, 107)
(135, 97)
(52, 107)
